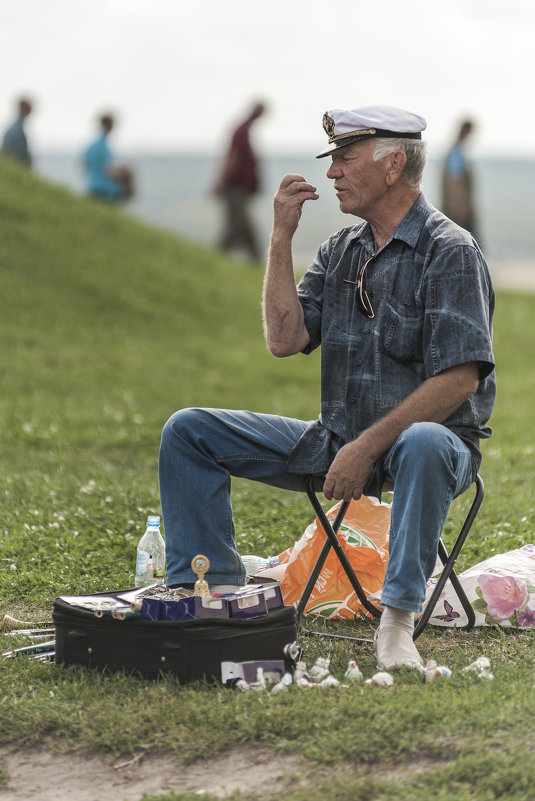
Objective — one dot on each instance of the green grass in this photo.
(109, 326)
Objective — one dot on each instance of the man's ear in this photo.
(395, 166)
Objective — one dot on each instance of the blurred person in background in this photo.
(237, 183)
(15, 143)
(458, 183)
(106, 178)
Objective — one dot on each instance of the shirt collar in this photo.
(408, 230)
(410, 227)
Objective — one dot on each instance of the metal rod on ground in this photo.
(10, 623)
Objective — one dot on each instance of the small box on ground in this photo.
(273, 670)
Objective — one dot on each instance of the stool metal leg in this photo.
(322, 556)
(331, 541)
(448, 564)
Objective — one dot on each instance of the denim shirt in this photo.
(433, 301)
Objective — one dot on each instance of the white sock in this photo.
(397, 618)
(394, 646)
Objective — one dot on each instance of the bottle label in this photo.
(142, 561)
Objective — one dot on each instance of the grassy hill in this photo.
(115, 310)
(107, 327)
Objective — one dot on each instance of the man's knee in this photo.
(427, 435)
(425, 444)
(181, 423)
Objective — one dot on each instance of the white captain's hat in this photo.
(346, 127)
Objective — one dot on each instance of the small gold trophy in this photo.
(201, 564)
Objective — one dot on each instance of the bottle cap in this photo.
(153, 520)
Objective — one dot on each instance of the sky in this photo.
(178, 74)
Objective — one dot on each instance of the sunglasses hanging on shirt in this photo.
(363, 299)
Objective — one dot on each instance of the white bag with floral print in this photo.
(501, 591)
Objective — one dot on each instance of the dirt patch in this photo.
(47, 776)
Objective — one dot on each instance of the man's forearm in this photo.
(434, 401)
(284, 327)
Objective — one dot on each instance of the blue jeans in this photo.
(202, 448)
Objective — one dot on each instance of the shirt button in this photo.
(353, 399)
(359, 362)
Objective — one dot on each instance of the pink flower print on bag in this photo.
(503, 595)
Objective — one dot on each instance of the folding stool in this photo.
(331, 541)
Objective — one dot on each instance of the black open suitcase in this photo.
(189, 649)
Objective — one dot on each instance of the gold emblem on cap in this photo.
(200, 565)
(328, 124)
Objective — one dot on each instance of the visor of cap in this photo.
(350, 140)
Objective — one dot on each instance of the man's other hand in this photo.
(349, 472)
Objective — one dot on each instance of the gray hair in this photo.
(414, 149)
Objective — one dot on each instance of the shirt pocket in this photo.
(346, 323)
(403, 326)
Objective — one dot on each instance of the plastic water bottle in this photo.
(254, 563)
(150, 561)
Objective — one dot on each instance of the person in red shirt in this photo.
(238, 181)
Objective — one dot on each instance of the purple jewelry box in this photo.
(254, 600)
(273, 597)
(251, 601)
(247, 605)
(170, 610)
(196, 606)
(150, 609)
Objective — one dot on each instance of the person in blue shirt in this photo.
(15, 143)
(401, 304)
(458, 201)
(106, 178)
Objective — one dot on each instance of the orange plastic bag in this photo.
(364, 538)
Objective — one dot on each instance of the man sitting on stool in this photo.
(402, 306)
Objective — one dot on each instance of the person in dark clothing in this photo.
(237, 183)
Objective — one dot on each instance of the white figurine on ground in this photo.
(353, 673)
